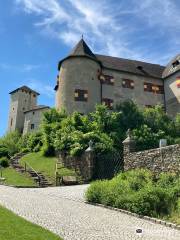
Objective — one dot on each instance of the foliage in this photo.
(156, 125)
(131, 115)
(107, 129)
(3, 150)
(17, 228)
(138, 191)
(31, 142)
(10, 144)
(4, 162)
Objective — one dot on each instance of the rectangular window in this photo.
(81, 95)
(106, 79)
(150, 87)
(32, 126)
(108, 102)
(11, 121)
(127, 83)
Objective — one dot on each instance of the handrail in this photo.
(25, 167)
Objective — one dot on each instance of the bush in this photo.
(138, 191)
(4, 162)
(3, 151)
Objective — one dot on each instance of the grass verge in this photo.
(17, 228)
(17, 179)
(45, 165)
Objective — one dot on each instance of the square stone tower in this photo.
(22, 99)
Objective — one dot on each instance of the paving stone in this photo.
(62, 210)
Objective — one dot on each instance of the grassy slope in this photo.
(16, 228)
(17, 179)
(45, 165)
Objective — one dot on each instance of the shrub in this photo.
(4, 162)
(10, 143)
(138, 191)
(3, 151)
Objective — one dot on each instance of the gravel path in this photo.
(62, 210)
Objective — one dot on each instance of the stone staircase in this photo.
(38, 177)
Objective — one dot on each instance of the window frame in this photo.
(80, 95)
(108, 102)
(127, 83)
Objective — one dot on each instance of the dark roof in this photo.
(26, 89)
(119, 64)
(35, 108)
(82, 49)
(131, 66)
(172, 67)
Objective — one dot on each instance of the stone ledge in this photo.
(154, 220)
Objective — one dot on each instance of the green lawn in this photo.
(17, 179)
(45, 165)
(13, 227)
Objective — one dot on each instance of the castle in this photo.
(25, 115)
(86, 79)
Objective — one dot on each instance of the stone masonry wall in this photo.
(166, 159)
(83, 164)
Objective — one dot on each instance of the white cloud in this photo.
(109, 27)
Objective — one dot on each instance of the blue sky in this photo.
(36, 34)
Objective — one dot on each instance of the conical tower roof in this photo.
(82, 49)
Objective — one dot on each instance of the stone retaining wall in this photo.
(166, 159)
(83, 164)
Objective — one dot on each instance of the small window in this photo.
(108, 102)
(34, 95)
(23, 108)
(176, 63)
(127, 83)
(149, 87)
(25, 100)
(13, 108)
(32, 126)
(106, 79)
(81, 95)
(11, 121)
(33, 113)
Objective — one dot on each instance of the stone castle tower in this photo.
(22, 99)
(86, 79)
(77, 85)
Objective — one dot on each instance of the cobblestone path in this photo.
(63, 211)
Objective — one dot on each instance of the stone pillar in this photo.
(129, 144)
(89, 157)
(128, 147)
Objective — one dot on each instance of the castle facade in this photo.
(86, 79)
